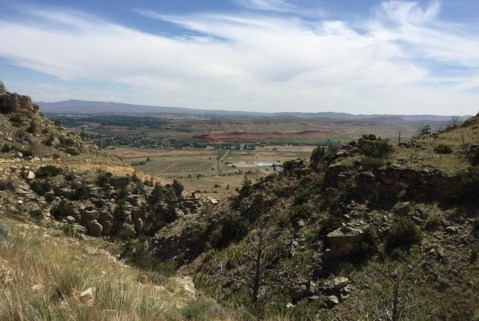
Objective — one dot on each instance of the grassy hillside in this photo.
(45, 275)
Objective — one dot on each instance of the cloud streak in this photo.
(390, 62)
(268, 5)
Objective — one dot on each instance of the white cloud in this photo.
(259, 62)
(423, 33)
(269, 5)
(410, 12)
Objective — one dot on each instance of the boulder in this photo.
(177, 187)
(90, 215)
(451, 229)
(335, 285)
(332, 301)
(402, 209)
(95, 228)
(87, 296)
(299, 292)
(30, 175)
(78, 229)
(179, 213)
(344, 239)
(107, 226)
(105, 216)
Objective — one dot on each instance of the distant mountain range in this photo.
(112, 108)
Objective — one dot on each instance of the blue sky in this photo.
(369, 57)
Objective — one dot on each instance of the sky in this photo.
(354, 56)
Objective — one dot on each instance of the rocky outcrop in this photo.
(15, 103)
(396, 182)
(183, 245)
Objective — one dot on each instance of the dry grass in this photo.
(422, 154)
(48, 273)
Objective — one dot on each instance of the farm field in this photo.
(179, 132)
(198, 169)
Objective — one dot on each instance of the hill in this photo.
(62, 203)
(98, 107)
(367, 229)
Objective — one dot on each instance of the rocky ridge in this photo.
(327, 232)
(57, 178)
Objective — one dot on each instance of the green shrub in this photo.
(85, 136)
(300, 212)
(3, 232)
(48, 171)
(367, 248)
(103, 178)
(403, 234)
(81, 193)
(62, 210)
(49, 197)
(137, 253)
(66, 142)
(309, 193)
(443, 149)
(246, 188)
(49, 140)
(474, 156)
(160, 193)
(21, 134)
(72, 151)
(318, 155)
(373, 146)
(6, 148)
(330, 224)
(40, 187)
(371, 163)
(291, 165)
(432, 223)
(36, 213)
(424, 130)
(27, 153)
(301, 196)
(16, 120)
(199, 310)
(473, 256)
(32, 128)
(470, 185)
(233, 228)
